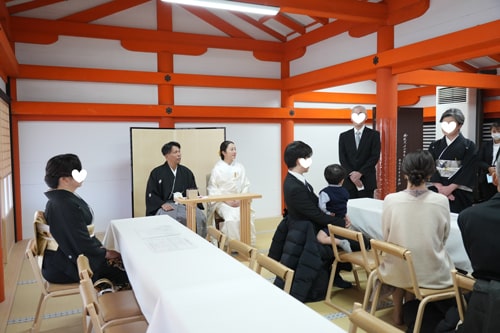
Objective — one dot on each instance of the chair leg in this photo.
(40, 310)
(356, 277)
(368, 289)
(420, 315)
(330, 284)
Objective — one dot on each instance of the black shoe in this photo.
(341, 283)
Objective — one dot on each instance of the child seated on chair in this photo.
(333, 201)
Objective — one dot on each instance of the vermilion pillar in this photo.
(287, 125)
(165, 62)
(387, 108)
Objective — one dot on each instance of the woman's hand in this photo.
(232, 203)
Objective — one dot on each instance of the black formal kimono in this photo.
(455, 164)
(362, 159)
(162, 184)
(68, 216)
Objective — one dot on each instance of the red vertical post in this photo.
(165, 62)
(386, 117)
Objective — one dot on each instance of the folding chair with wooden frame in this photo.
(49, 290)
(242, 251)
(216, 237)
(111, 307)
(424, 295)
(361, 260)
(275, 267)
(462, 284)
(359, 318)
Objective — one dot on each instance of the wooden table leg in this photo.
(191, 216)
(245, 221)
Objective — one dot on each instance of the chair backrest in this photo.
(359, 318)
(275, 267)
(41, 232)
(90, 303)
(84, 269)
(382, 248)
(243, 251)
(33, 258)
(462, 284)
(213, 234)
(356, 236)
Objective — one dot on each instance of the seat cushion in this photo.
(121, 304)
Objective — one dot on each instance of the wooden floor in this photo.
(63, 315)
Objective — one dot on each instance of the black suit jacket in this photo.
(364, 159)
(302, 204)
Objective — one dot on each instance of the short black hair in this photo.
(296, 150)
(60, 166)
(167, 147)
(334, 174)
(418, 166)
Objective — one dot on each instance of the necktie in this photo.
(358, 138)
(307, 185)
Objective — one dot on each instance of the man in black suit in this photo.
(359, 152)
(303, 219)
(487, 158)
(480, 227)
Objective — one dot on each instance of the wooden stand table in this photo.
(244, 198)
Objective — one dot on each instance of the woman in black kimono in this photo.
(455, 158)
(69, 218)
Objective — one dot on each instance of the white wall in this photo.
(103, 148)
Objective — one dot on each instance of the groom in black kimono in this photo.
(165, 181)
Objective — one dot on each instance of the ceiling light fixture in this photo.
(229, 5)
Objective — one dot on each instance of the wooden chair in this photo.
(34, 252)
(216, 237)
(49, 290)
(112, 306)
(241, 251)
(359, 318)
(425, 295)
(92, 306)
(360, 260)
(462, 284)
(281, 271)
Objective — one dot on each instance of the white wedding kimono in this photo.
(229, 179)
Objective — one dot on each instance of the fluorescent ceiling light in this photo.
(229, 5)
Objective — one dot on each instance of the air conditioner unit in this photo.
(458, 98)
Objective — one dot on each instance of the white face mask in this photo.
(495, 136)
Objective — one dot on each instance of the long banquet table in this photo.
(183, 284)
(366, 216)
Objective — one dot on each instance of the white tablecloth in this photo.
(366, 216)
(185, 284)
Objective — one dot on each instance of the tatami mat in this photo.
(63, 315)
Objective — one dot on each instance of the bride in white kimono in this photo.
(229, 177)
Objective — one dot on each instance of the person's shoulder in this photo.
(184, 168)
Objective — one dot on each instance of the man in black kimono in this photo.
(169, 180)
(455, 158)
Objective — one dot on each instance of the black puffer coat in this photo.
(294, 244)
